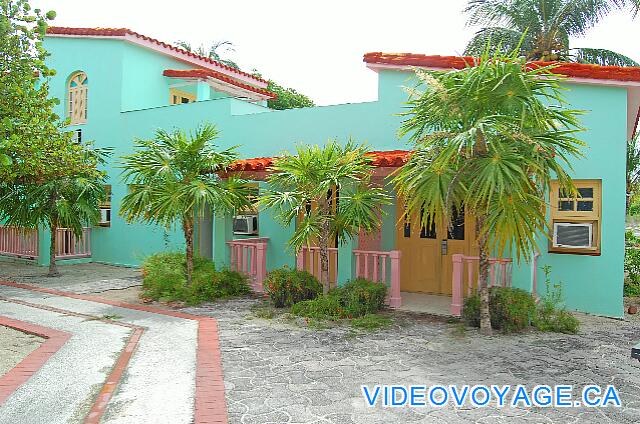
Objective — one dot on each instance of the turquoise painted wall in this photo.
(128, 98)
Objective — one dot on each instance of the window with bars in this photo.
(77, 95)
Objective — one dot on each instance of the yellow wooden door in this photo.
(426, 265)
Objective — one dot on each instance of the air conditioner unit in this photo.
(105, 216)
(245, 224)
(573, 235)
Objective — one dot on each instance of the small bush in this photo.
(511, 309)
(287, 287)
(323, 307)
(550, 313)
(361, 297)
(355, 299)
(632, 265)
(164, 278)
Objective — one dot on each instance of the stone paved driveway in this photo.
(276, 372)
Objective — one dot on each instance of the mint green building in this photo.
(116, 85)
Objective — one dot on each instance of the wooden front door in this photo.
(426, 264)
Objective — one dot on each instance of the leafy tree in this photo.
(32, 138)
(173, 180)
(633, 169)
(545, 27)
(303, 185)
(65, 201)
(488, 138)
(288, 98)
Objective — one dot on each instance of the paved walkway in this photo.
(121, 363)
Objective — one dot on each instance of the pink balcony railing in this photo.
(69, 246)
(382, 267)
(309, 260)
(249, 256)
(499, 275)
(19, 242)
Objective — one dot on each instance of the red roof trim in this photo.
(207, 73)
(121, 32)
(380, 159)
(575, 70)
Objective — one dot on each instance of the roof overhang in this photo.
(223, 83)
(157, 46)
(576, 73)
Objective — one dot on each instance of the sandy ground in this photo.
(14, 347)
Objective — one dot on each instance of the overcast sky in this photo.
(314, 47)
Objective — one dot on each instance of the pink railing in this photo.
(309, 260)
(249, 256)
(499, 275)
(382, 267)
(69, 246)
(19, 242)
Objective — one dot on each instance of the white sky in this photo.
(314, 47)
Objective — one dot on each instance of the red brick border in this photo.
(17, 376)
(210, 402)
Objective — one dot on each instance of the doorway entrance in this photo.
(426, 265)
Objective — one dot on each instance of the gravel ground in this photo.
(14, 347)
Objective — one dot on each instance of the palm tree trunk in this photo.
(187, 228)
(324, 257)
(53, 268)
(483, 280)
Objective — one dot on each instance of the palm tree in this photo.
(488, 138)
(541, 29)
(70, 201)
(173, 180)
(212, 52)
(633, 168)
(303, 186)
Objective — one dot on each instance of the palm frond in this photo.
(602, 57)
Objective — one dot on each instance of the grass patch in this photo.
(371, 322)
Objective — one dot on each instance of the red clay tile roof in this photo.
(121, 32)
(576, 70)
(208, 73)
(380, 159)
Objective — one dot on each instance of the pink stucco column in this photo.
(456, 285)
(395, 300)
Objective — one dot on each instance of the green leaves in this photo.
(173, 178)
(308, 184)
(489, 137)
(545, 28)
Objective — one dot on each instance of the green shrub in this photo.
(632, 265)
(287, 287)
(511, 309)
(323, 307)
(355, 299)
(550, 313)
(164, 278)
(361, 297)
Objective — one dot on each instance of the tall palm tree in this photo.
(68, 201)
(212, 52)
(541, 29)
(303, 185)
(173, 180)
(488, 138)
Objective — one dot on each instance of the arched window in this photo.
(77, 98)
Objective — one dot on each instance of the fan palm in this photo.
(71, 201)
(488, 138)
(302, 187)
(173, 179)
(541, 28)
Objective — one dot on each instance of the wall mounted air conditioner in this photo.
(245, 224)
(573, 235)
